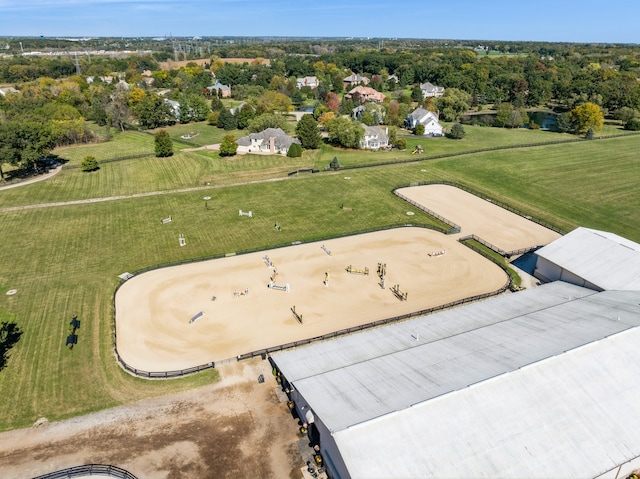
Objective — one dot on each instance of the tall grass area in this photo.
(66, 260)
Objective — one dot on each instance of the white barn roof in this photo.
(461, 392)
(604, 259)
(569, 416)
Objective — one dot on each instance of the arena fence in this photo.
(454, 227)
(501, 252)
(89, 470)
(484, 197)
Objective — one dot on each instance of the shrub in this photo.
(457, 132)
(418, 130)
(335, 164)
(89, 163)
(212, 118)
(163, 144)
(400, 143)
(294, 151)
(633, 124)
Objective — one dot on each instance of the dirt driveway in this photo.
(237, 428)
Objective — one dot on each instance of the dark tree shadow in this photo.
(9, 335)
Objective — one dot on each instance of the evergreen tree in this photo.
(216, 104)
(294, 151)
(226, 120)
(308, 133)
(245, 115)
(457, 132)
(163, 144)
(89, 163)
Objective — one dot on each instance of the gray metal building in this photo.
(540, 383)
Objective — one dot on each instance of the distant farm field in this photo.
(65, 260)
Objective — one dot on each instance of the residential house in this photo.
(311, 82)
(429, 119)
(357, 112)
(8, 90)
(363, 94)
(221, 90)
(429, 90)
(374, 138)
(175, 108)
(271, 140)
(355, 79)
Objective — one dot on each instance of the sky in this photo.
(579, 21)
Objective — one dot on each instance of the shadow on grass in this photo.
(10, 334)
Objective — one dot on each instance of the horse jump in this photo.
(237, 293)
(267, 261)
(382, 271)
(438, 253)
(324, 248)
(286, 288)
(296, 315)
(352, 270)
(399, 294)
(245, 213)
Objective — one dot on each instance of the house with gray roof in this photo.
(354, 80)
(221, 90)
(271, 141)
(428, 119)
(429, 90)
(374, 138)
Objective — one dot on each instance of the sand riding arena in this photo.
(184, 316)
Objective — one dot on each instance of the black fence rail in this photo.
(506, 254)
(89, 470)
(454, 227)
(265, 352)
(482, 150)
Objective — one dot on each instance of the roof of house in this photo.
(428, 86)
(281, 139)
(604, 259)
(459, 392)
(420, 113)
(376, 132)
(367, 92)
(218, 86)
(355, 78)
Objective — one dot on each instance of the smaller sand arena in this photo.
(154, 309)
(502, 228)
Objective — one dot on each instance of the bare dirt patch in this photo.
(236, 428)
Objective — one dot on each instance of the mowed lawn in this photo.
(65, 260)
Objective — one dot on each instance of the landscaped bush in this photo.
(295, 151)
(89, 163)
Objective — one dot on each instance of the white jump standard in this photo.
(182, 240)
(245, 213)
(324, 248)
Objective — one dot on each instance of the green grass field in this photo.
(65, 260)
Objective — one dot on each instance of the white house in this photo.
(374, 138)
(271, 140)
(429, 119)
(311, 82)
(220, 89)
(174, 106)
(429, 90)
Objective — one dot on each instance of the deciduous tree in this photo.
(229, 146)
(585, 116)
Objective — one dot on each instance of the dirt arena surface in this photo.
(236, 428)
(154, 309)
(508, 231)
